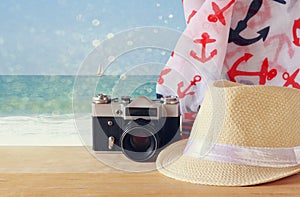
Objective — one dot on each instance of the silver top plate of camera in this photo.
(141, 107)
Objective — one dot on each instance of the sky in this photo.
(52, 37)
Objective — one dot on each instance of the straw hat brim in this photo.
(172, 163)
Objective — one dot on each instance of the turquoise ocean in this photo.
(38, 110)
(35, 95)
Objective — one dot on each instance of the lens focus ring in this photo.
(138, 142)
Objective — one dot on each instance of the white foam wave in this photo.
(39, 131)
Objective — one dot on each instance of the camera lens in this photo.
(139, 143)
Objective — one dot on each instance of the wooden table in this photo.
(74, 171)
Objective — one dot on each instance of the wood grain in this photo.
(73, 171)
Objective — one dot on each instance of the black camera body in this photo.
(139, 128)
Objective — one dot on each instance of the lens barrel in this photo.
(138, 142)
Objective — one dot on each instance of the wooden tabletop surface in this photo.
(75, 171)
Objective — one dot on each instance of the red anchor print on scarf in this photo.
(263, 74)
(172, 54)
(163, 73)
(231, 52)
(219, 13)
(190, 115)
(282, 40)
(290, 79)
(295, 27)
(182, 94)
(204, 41)
(191, 16)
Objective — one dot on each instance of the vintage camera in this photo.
(139, 128)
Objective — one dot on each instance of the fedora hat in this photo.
(242, 135)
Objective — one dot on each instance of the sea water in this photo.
(39, 110)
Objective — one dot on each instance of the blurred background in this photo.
(42, 37)
(43, 44)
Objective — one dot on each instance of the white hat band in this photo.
(243, 155)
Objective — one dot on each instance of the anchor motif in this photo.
(295, 27)
(263, 74)
(280, 1)
(204, 41)
(163, 73)
(172, 54)
(234, 34)
(262, 16)
(281, 39)
(190, 116)
(219, 13)
(182, 94)
(191, 16)
(230, 54)
(290, 79)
